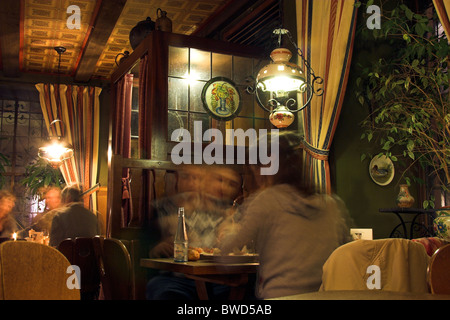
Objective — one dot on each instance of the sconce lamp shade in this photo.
(55, 153)
(57, 150)
(283, 79)
(280, 75)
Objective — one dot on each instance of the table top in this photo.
(409, 210)
(364, 295)
(200, 267)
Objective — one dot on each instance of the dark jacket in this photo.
(73, 220)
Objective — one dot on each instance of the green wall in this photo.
(350, 176)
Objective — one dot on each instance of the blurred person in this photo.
(72, 219)
(293, 229)
(8, 224)
(221, 185)
(43, 221)
(52, 196)
(206, 193)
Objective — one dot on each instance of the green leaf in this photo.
(361, 99)
(409, 14)
(408, 181)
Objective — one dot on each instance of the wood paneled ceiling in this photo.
(30, 29)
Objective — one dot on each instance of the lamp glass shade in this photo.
(55, 153)
(280, 75)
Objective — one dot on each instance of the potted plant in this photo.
(4, 162)
(407, 94)
(41, 174)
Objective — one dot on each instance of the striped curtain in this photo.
(79, 108)
(325, 30)
(443, 10)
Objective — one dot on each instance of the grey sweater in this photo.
(293, 236)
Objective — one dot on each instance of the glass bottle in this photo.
(180, 244)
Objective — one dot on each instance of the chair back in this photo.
(439, 271)
(115, 268)
(33, 271)
(386, 264)
(80, 251)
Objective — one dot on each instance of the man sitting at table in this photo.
(43, 221)
(73, 219)
(207, 195)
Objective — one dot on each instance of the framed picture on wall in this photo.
(221, 99)
(381, 170)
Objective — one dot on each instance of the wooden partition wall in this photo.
(152, 173)
(158, 82)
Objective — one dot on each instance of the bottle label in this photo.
(180, 253)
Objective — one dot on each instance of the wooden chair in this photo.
(33, 271)
(438, 271)
(115, 269)
(80, 251)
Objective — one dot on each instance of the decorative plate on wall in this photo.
(221, 98)
(381, 170)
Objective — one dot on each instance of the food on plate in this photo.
(193, 254)
(240, 252)
(210, 251)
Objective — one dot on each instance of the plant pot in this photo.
(441, 225)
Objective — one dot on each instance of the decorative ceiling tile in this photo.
(45, 27)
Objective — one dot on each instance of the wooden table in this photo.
(234, 275)
(427, 231)
(364, 295)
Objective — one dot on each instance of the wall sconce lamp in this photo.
(57, 150)
(281, 79)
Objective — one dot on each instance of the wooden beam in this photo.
(10, 37)
(109, 13)
(220, 17)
